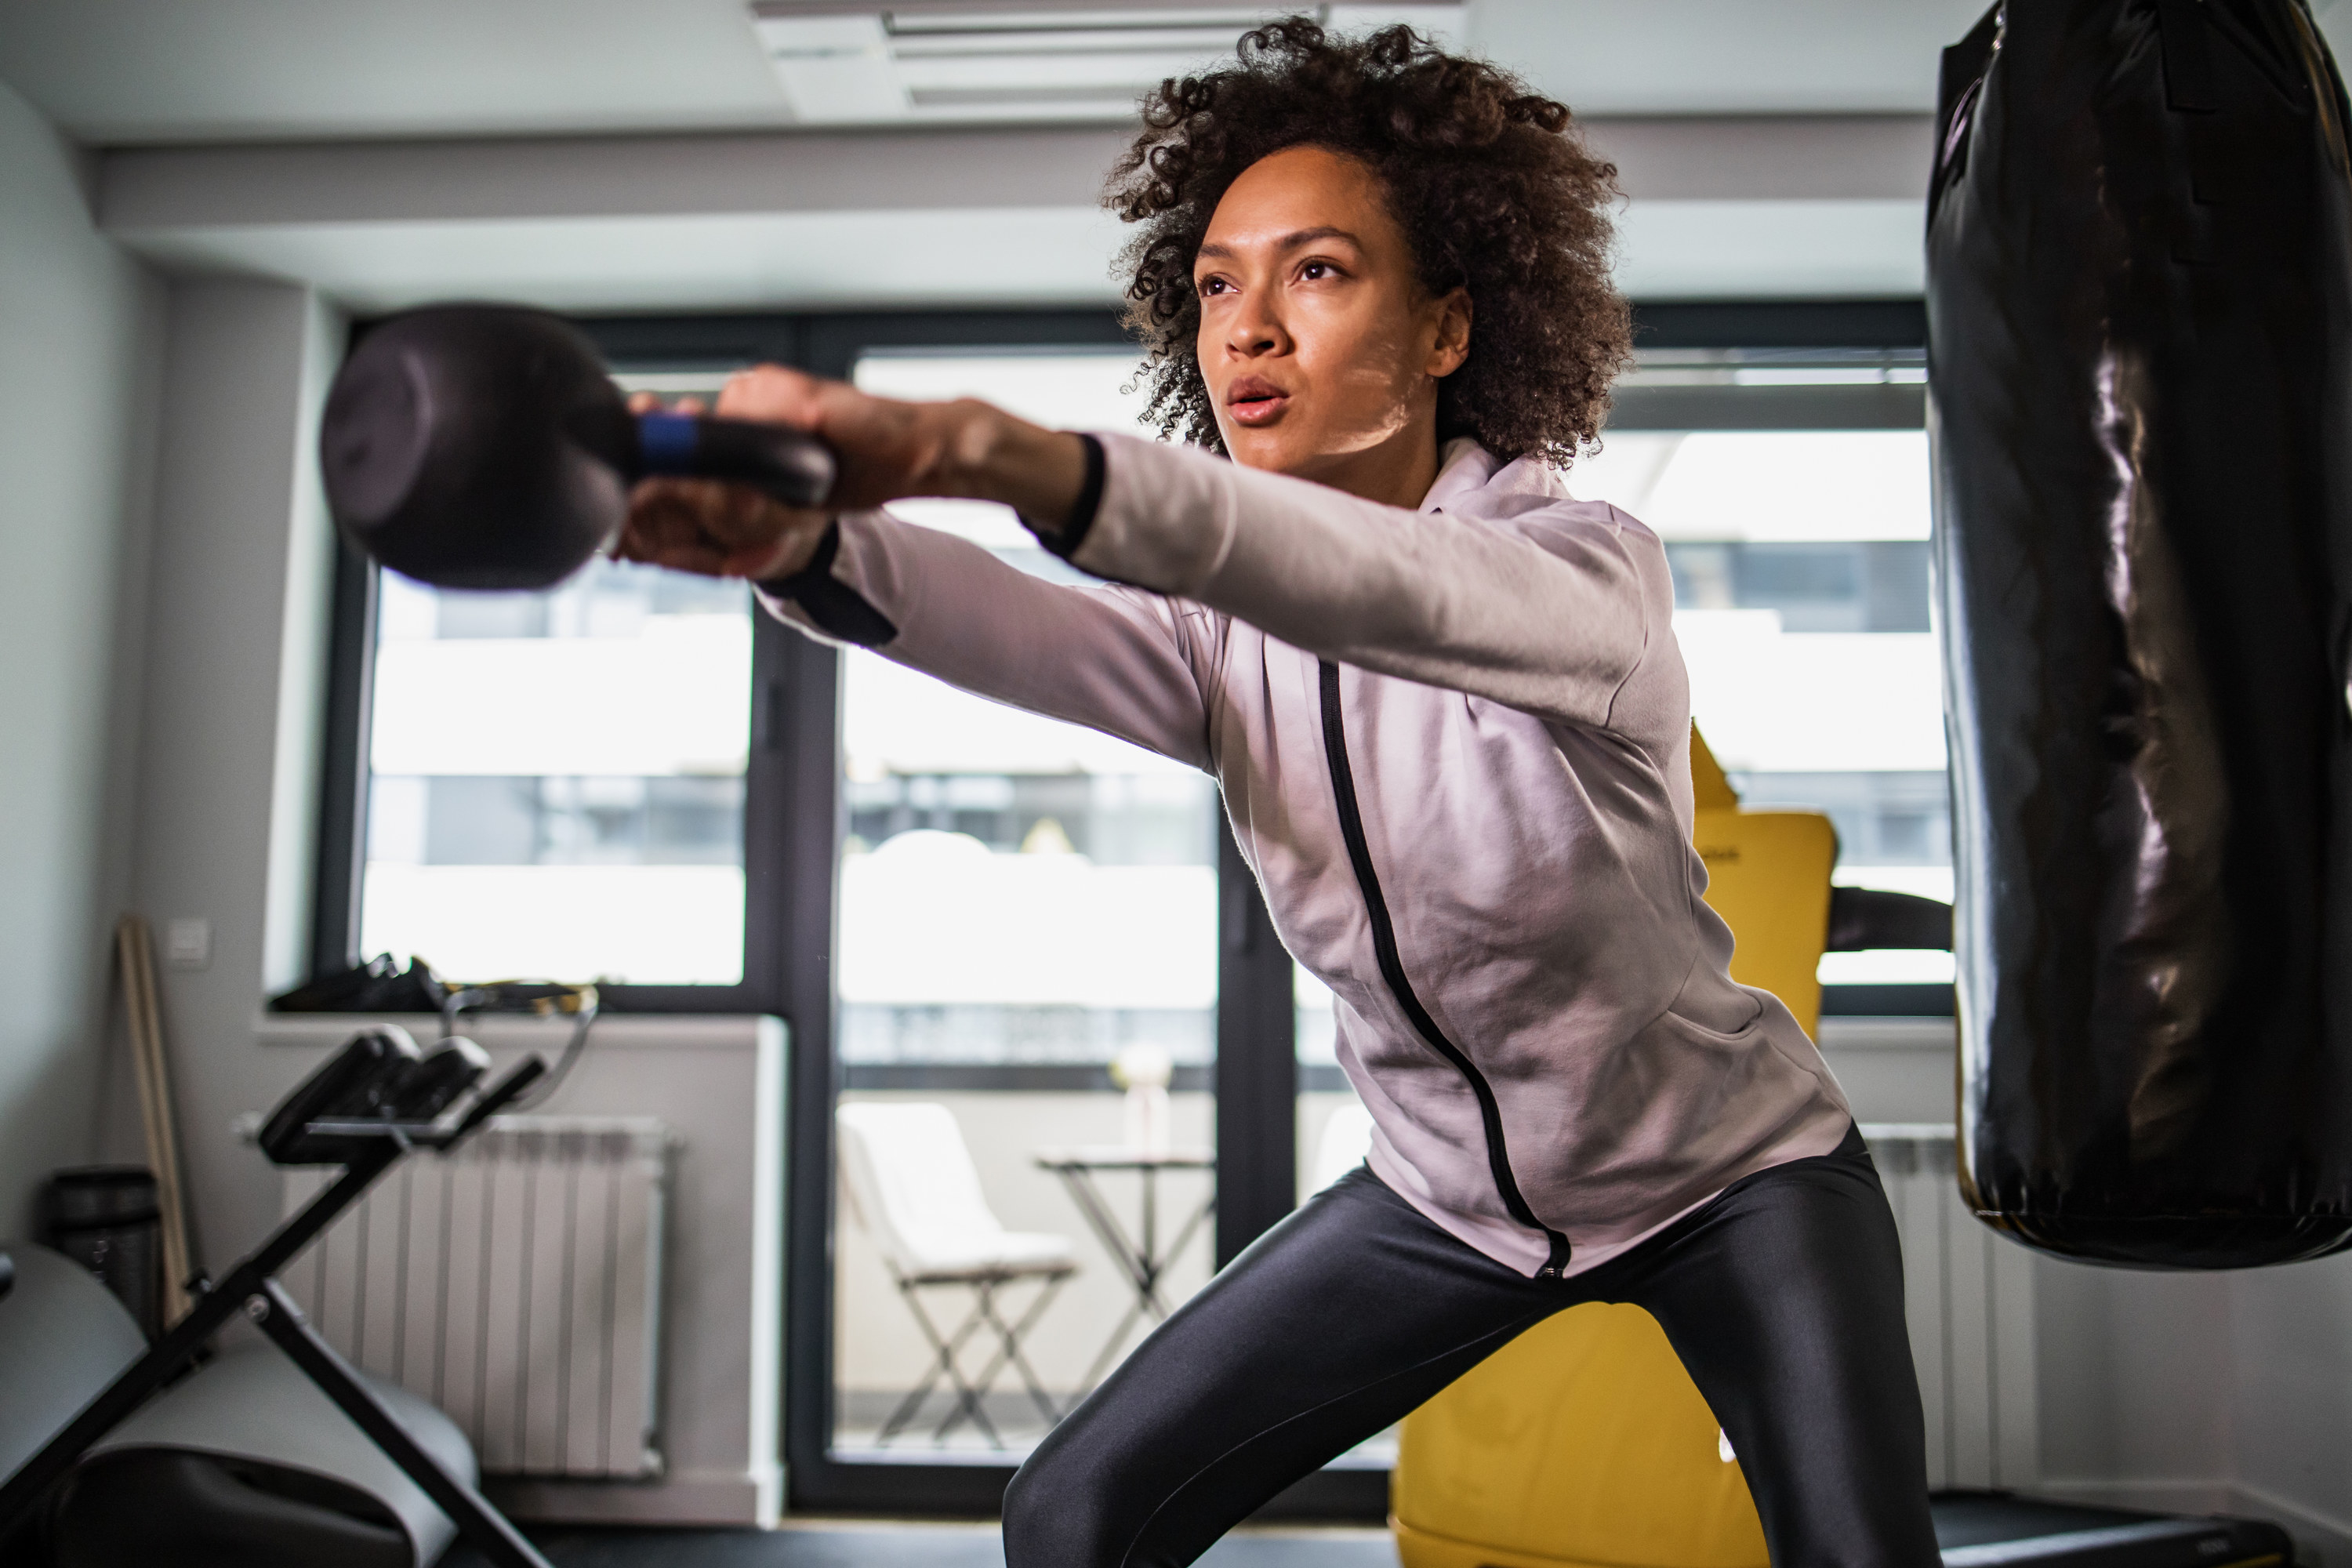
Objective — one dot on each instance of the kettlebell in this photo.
(484, 446)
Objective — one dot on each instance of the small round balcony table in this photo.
(1140, 1257)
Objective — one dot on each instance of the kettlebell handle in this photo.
(789, 466)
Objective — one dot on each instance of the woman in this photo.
(1451, 723)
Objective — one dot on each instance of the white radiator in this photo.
(517, 1284)
(1969, 1295)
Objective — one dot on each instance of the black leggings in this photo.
(1783, 1295)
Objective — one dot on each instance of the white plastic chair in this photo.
(1347, 1138)
(912, 1184)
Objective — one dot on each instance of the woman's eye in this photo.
(1314, 270)
(1212, 286)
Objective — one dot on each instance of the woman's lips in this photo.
(1254, 402)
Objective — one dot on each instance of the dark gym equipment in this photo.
(1978, 1530)
(63, 1337)
(372, 1103)
(104, 1217)
(1862, 918)
(2139, 304)
(379, 985)
(484, 446)
(248, 1464)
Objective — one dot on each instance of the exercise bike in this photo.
(376, 1101)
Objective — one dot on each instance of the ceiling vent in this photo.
(933, 61)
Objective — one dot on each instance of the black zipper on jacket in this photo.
(1385, 946)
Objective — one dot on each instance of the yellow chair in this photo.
(1583, 1444)
(1769, 877)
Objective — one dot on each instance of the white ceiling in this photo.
(1000, 256)
(1727, 205)
(531, 149)
(114, 72)
(934, 62)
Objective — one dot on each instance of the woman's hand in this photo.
(711, 529)
(885, 450)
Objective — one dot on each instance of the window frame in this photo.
(830, 344)
(1897, 327)
(795, 817)
(769, 786)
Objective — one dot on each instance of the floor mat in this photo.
(904, 1546)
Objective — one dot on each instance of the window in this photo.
(1015, 889)
(1801, 603)
(640, 778)
(1024, 902)
(556, 780)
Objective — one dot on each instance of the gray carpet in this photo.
(913, 1546)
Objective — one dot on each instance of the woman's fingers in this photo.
(651, 403)
(663, 517)
(883, 449)
(777, 395)
(718, 531)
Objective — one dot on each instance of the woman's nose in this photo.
(1254, 332)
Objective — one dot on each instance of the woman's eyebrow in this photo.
(1316, 236)
(1287, 242)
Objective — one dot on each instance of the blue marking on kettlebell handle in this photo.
(667, 443)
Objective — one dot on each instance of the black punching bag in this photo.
(2139, 294)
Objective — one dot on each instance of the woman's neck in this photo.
(1397, 471)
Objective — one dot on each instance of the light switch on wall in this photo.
(188, 943)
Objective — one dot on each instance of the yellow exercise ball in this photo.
(1488, 1477)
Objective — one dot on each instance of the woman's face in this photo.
(1322, 351)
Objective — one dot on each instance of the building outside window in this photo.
(1801, 605)
(1022, 902)
(556, 780)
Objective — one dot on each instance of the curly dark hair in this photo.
(1492, 184)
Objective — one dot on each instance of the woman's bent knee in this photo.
(1058, 1515)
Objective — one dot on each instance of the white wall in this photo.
(2199, 1392)
(718, 1084)
(235, 631)
(2203, 1392)
(77, 322)
(2135, 1376)
(2291, 1339)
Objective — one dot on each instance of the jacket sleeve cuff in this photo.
(1164, 518)
(833, 606)
(1066, 540)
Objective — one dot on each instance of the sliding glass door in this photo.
(1028, 919)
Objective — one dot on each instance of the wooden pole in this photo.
(135, 948)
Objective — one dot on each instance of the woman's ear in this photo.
(1451, 344)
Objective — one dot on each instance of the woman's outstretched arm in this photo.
(1128, 663)
(1549, 611)
(1131, 664)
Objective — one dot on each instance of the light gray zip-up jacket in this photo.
(1454, 744)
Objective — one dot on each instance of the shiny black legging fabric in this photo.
(1783, 1295)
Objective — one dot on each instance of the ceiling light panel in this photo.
(1229, 19)
(945, 62)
